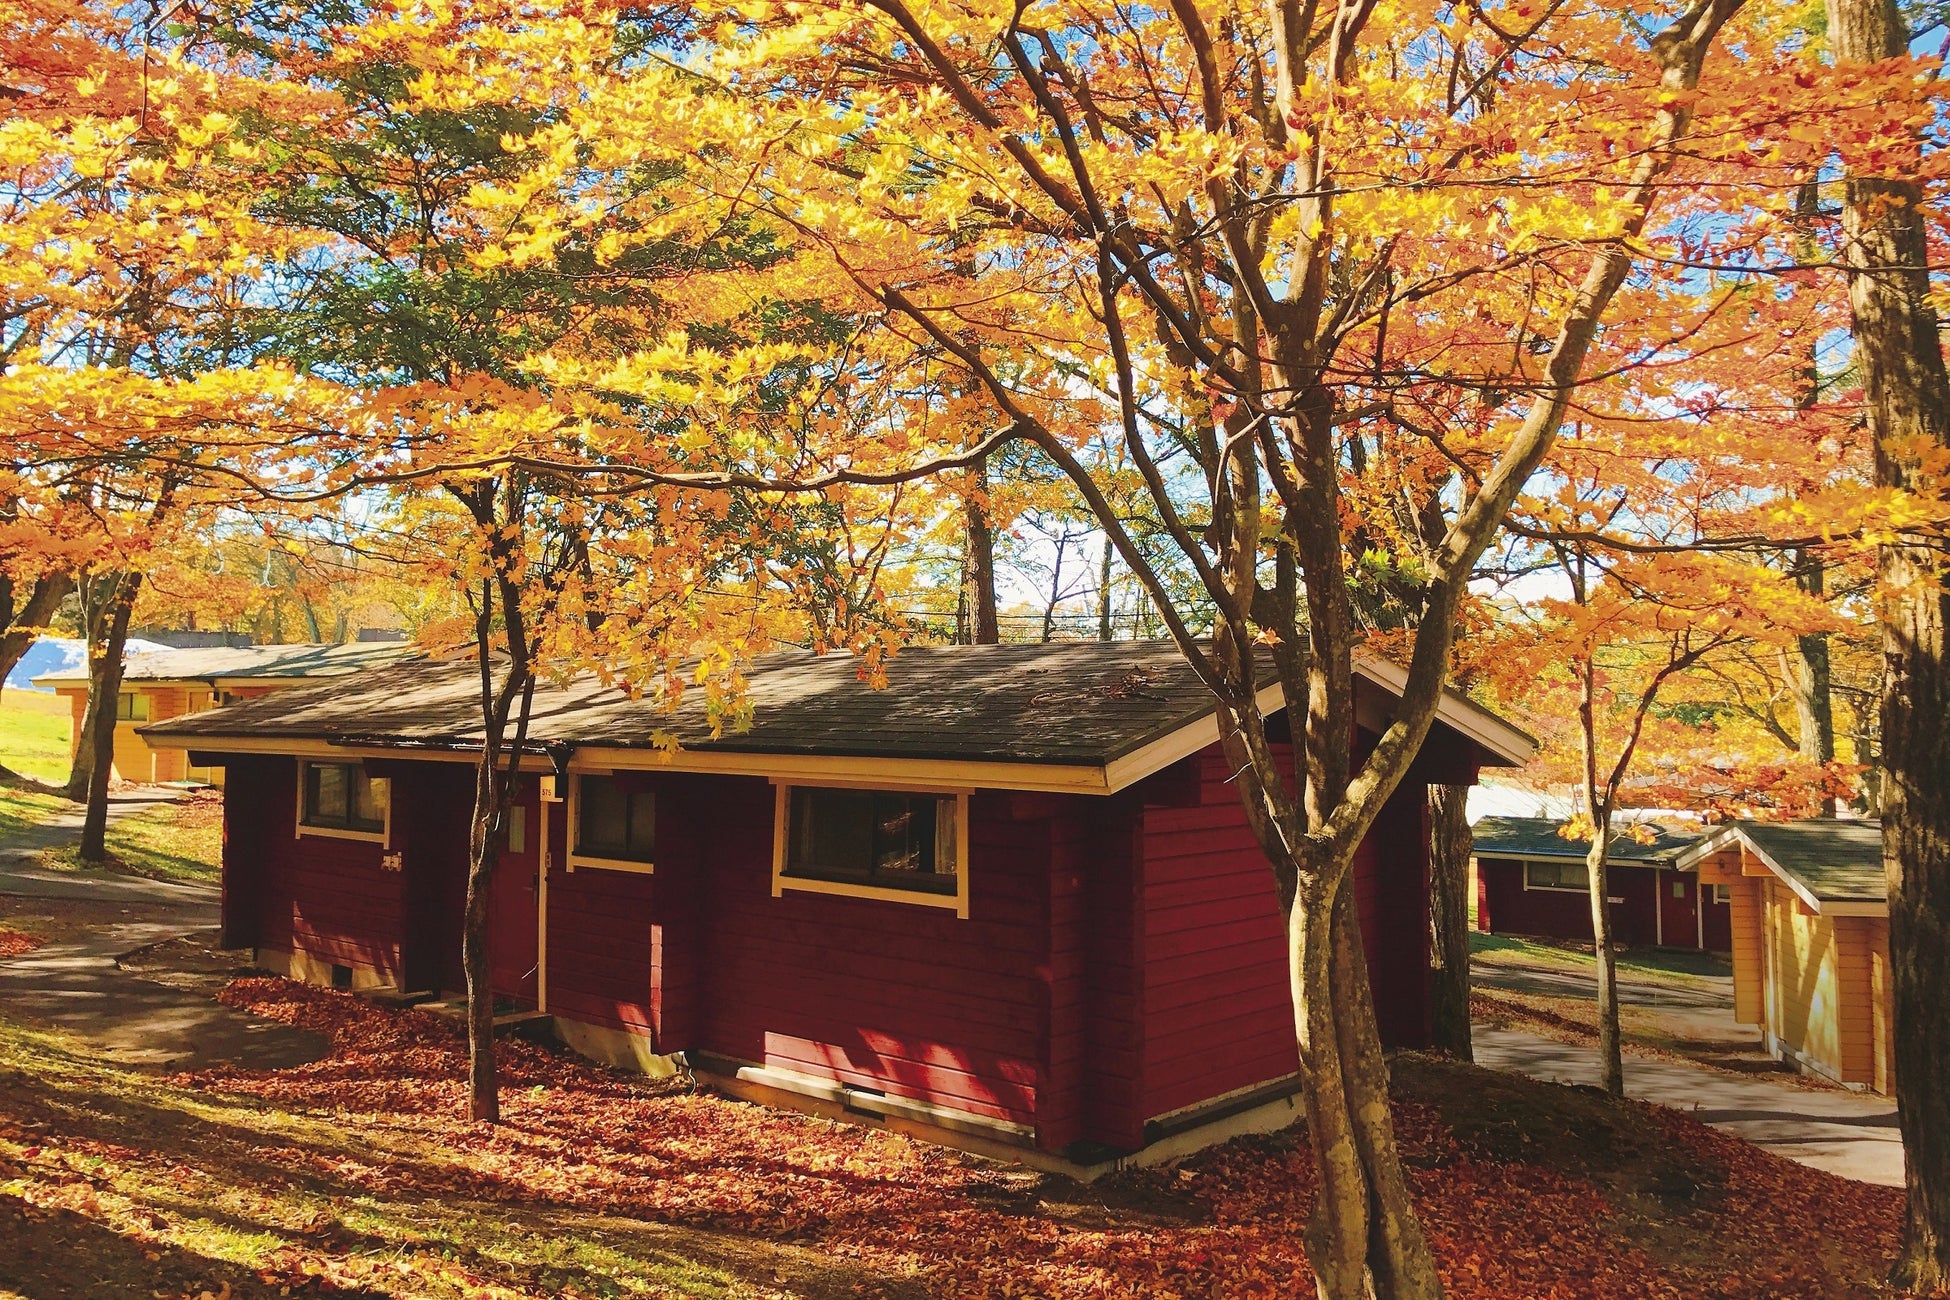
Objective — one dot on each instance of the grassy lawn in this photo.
(34, 734)
(170, 841)
(357, 1175)
(20, 809)
(1677, 967)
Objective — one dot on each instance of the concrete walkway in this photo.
(20, 873)
(80, 985)
(1848, 1133)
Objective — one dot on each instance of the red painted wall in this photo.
(329, 898)
(599, 949)
(1719, 925)
(1218, 1012)
(1124, 957)
(909, 999)
(1560, 914)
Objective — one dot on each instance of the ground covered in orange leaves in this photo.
(15, 943)
(356, 1175)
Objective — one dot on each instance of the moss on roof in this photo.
(1836, 860)
(1537, 837)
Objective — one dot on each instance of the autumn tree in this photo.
(1205, 231)
(1898, 349)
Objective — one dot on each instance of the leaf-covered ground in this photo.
(355, 1175)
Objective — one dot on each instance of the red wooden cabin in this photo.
(1011, 898)
(1531, 881)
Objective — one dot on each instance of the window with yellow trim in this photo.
(342, 797)
(131, 706)
(885, 839)
(615, 820)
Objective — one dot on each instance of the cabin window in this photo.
(131, 706)
(615, 824)
(342, 799)
(1557, 875)
(894, 844)
(1722, 894)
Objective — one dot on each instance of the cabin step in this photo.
(390, 995)
(526, 1023)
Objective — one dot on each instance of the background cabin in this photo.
(1532, 881)
(1810, 940)
(161, 684)
(1009, 899)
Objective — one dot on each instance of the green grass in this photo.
(1679, 967)
(34, 737)
(20, 809)
(172, 841)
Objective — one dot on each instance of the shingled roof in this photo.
(1537, 837)
(242, 663)
(1080, 703)
(1827, 860)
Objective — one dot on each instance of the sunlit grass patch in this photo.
(21, 809)
(173, 841)
(34, 734)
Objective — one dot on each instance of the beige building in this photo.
(163, 684)
(1810, 940)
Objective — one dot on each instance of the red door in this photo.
(1678, 909)
(512, 937)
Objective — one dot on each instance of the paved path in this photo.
(21, 874)
(1699, 1012)
(81, 986)
(1848, 1133)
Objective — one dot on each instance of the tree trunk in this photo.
(1900, 356)
(1104, 593)
(1611, 1053)
(104, 689)
(1814, 704)
(1450, 844)
(483, 852)
(1363, 1238)
(978, 565)
(25, 623)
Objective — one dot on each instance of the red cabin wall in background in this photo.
(1678, 896)
(1719, 922)
(1641, 894)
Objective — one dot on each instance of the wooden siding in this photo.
(1749, 962)
(1855, 998)
(600, 951)
(1881, 1076)
(1566, 913)
(1217, 1012)
(325, 898)
(1817, 985)
(133, 759)
(910, 1000)
(1805, 1002)
(1217, 1006)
